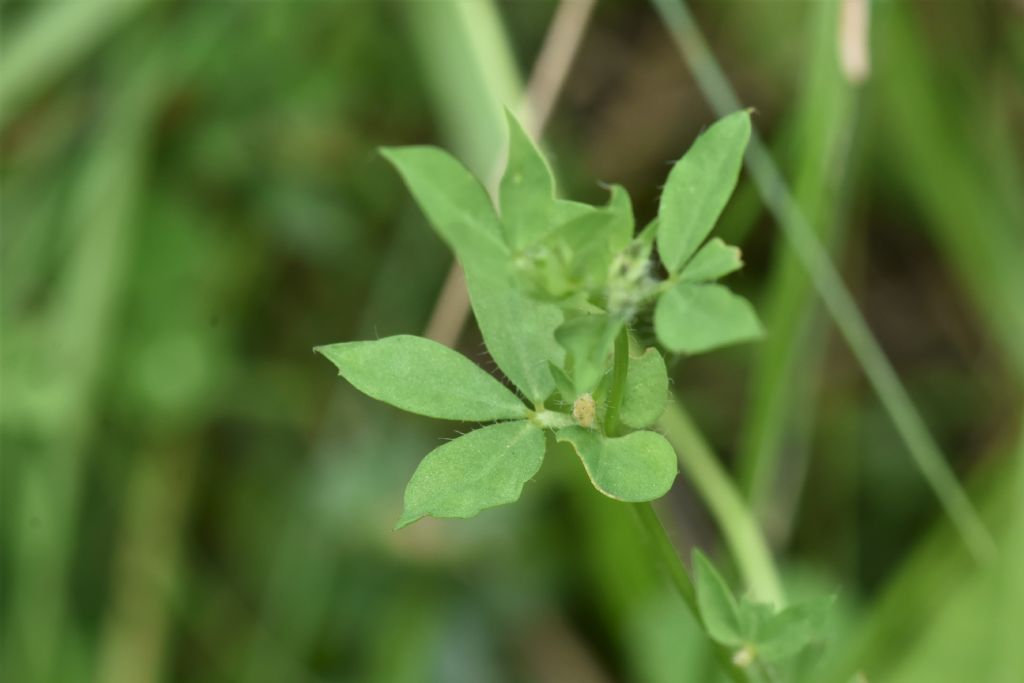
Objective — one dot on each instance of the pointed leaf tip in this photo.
(424, 377)
(406, 519)
(527, 189)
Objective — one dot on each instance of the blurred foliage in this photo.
(191, 200)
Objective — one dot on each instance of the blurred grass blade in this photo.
(62, 376)
(788, 361)
(79, 324)
(836, 297)
(468, 62)
(973, 204)
(56, 38)
(953, 621)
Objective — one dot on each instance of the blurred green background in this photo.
(191, 200)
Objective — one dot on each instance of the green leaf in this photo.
(785, 634)
(424, 377)
(718, 608)
(455, 203)
(692, 318)
(698, 188)
(482, 469)
(646, 236)
(527, 189)
(620, 209)
(565, 210)
(588, 341)
(646, 391)
(589, 241)
(519, 333)
(576, 254)
(754, 616)
(563, 384)
(714, 260)
(638, 467)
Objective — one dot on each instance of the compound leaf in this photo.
(698, 188)
(518, 332)
(424, 377)
(484, 468)
(638, 467)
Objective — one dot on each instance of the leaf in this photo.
(527, 189)
(602, 230)
(692, 318)
(577, 253)
(794, 628)
(620, 208)
(455, 203)
(588, 341)
(424, 377)
(482, 469)
(718, 608)
(646, 391)
(698, 188)
(519, 333)
(638, 467)
(591, 240)
(646, 236)
(563, 384)
(754, 616)
(564, 210)
(714, 260)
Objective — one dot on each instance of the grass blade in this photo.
(837, 298)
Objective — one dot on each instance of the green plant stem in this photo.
(620, 368)
(837, 298)
(740, 530)
(666, 552)
(661, 546)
